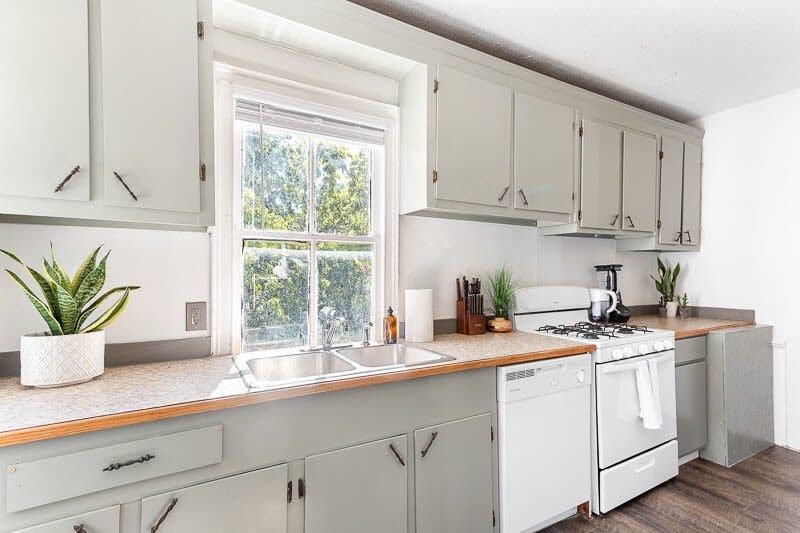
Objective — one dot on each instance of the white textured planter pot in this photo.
(55, 361)
(672, 309)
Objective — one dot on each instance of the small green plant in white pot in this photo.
(73, 348)
(665, 285)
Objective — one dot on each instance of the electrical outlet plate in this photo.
(196, 316)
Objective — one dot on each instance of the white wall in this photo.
(433, 252)
(171, 267)
(751, 157)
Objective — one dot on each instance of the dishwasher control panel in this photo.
(528, 380)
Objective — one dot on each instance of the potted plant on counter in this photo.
(73, 348)
(665, 285)
(683, 305)
(501, 295)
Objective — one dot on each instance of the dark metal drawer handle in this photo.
(117, 466)
(678, 238)
(614, 222)
(630, 221)
(79, 528)
(688, 236)
(122, 181)
(505, 191)
(427, 447)
(164, 516)
(72, 172)
(397, 454)
(524, 199)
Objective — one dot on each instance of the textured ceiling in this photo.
(682, 59)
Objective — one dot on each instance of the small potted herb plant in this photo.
(683, 305)
(665, 285)
(73, 348)
(501, 295)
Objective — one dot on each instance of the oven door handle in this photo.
(614, 369)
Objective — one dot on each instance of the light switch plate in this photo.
(196, 316)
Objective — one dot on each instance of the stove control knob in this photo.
(642, 349)
(627, 352)
(616, 353)
(658, 346)
(668, 345)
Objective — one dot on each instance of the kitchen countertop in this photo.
(134, 394)
(687, 327)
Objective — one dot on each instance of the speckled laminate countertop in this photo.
(140, 393)
(687, 327)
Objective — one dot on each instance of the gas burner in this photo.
(588, 336)
(625, 331)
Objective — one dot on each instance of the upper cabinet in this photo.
(544, 155)
(44, 101)
(601, 175)
(116, 131)
(473, 139)
(692, 168)
(151, 130)
(639, 181)
(671, 201)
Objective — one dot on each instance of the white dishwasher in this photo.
(543, 412)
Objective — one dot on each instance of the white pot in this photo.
(55, 361)
(672, 309)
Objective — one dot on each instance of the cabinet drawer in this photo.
(691, 349)
(100, 521)
(34, 483)
(627, 480)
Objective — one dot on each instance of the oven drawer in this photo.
(34, 483)
(627, 480)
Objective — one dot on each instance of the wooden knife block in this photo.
(467, 324)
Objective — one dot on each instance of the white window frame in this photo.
(227, 235)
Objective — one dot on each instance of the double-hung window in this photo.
(308, 210)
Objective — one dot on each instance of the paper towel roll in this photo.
(419, 315)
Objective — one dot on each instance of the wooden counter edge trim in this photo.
(699, 332)
(86, 425)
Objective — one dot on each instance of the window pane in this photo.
(274, 294)
(342, 183)
(274, 180)
(345, 276)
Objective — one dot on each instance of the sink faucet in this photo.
(367, 327)
(329, 323)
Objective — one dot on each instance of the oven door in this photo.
(620, 430)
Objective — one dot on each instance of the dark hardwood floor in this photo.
(761, 493)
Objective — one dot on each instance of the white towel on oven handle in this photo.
(655, 386)
(649, 405)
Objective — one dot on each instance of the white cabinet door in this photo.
(473, 139)
(544, 155)
(361, 489)
(691, 195)
(453, 482)
(669, 209)
(100, 521)
(44, 98)
(639, 176)
(601, 175)
(254, 502)
(150, 104)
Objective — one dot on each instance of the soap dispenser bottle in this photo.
(390, 327)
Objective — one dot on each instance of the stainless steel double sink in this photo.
(260, 370)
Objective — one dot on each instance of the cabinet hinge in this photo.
(435, 176)
(301, 488)
(658, 224)
(202, 172)
(580, 214)
(494, 519)
(201, 31)
(491, 430)
(435, 86)
(661, 154)
(580, 131)
(289, 492)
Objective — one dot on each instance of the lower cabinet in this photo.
(362, 488)
(100, 521)
(691, 394)
(254, 502)
(453, 470)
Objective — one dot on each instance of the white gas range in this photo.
(633, 414)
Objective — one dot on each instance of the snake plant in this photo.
(667, 278)
(67, 305)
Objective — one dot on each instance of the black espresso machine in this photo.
(607, 278)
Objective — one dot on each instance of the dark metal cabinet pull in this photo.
(678, 238)
(117, 466)
(505, 191)
(630, 221)
(614, 222)
(122, 181)
(524, 199)
(60, 186)
(301, 488)
(397, 454)
(688, 236)
(164, 516)
(79, 528)
(427, 447)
